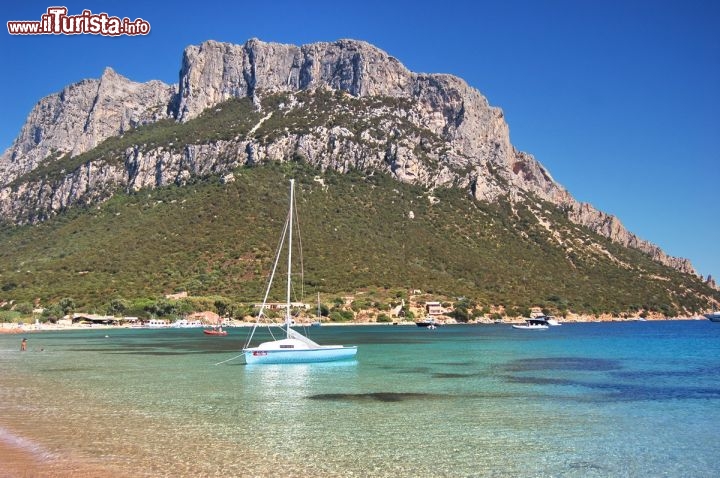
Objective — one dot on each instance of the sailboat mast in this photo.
(289, 277)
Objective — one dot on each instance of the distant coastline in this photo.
(24, 328)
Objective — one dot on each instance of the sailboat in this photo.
(713, 316)
(295, 347)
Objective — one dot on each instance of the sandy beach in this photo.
(19, 461)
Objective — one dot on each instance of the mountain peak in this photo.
(428, 129)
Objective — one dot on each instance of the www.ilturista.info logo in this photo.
(57, 22)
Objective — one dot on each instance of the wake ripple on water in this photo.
(23, 444)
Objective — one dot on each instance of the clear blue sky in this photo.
(620, 100)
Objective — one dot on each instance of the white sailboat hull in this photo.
(327, 353)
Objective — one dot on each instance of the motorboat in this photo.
(550, 319)
(429, 322)
(538, 323)
(219, 331)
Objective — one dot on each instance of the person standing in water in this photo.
(23, 345)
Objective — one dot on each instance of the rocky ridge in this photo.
(431, 129)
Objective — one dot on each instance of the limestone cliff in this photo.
(81, 116)
(438, 132)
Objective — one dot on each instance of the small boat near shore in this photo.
(430, 323)
(218, 332)
(537, 323)
(713, 316)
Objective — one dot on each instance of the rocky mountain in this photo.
(342, 105)
(80, 117)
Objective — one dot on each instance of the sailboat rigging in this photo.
(295, 347)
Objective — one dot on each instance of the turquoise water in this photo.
(580, 400)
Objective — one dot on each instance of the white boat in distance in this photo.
(533, 324)
(430, 322)
(550, 319)
(713, 316)
(295, 347)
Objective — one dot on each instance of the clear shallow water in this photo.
(580, 400)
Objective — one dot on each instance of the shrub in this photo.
(341, 316)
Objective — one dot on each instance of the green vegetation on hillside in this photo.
(217, 240)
